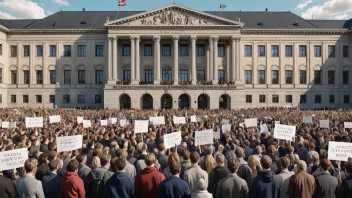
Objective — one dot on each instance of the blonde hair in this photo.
(253, 163)
(96, 162)
(209, 163)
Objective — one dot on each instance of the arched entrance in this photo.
(183, 101)
(166, 101)
(125, 101)
(224, 102)
(203, 101)
(147, 101)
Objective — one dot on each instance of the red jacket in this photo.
(71, 186)
(147, 182)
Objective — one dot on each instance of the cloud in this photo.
(303, 5)
(332, 9)
(5, 15)
(25, 9)
(62, 2)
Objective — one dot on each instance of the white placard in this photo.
(216, 135)
(339, 151)
(284, 132)
(123, 122)
(225, 128)
(5, 125)
(324, 123)
(113, 120)
(171, 139)
(252, 122)
(225, 121)
(141, 126)
(179, 120)
(241, 125)
(12, 124)
(264, 128)
(160, 120)
(0, 122)
(69, 143)
(194, 118)
(307, 119)
(347, 125)
(277, 122)
(34, 122)
(87, 123)
(13, 159)
(54, 119)
(79, 120)
(103, 122)
(204, 137)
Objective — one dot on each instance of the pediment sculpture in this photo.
(173, 18)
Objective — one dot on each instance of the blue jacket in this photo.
(119, 186)
(174, 187)
(265, 185)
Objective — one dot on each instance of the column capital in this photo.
(132, 38)
(137, 38)
(193, 38)
(175, 38)
(156, 38)
(210, 38)
(233, 38)
(111, 38)
(215, 38)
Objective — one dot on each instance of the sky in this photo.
(308, 9)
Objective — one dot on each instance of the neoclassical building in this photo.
(173, 57)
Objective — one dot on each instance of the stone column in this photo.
(110, 55)
(233, 57)
(137, 79)
(157, 59)
(211, 54)
(114, 60)
(133, 58)
(175, 40)
(215, 62)
(237, 61)
(193, 62)
(207, 74)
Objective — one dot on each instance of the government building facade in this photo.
(175, 57)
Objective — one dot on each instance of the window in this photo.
(66, 98)
(0, 75)
(149, 75)
(126, 50)
(317, 99)
(302, 77)
(183, 50)
(81, 51)
(67, 77)
(26, 77)
(248, 50)
(13, 51)
(346, 98)
(0, 49)
(39, 75)
(302, 50)
(331, 51)
(261, 76)
(67, 50)
(200, 50)
(261, 50)
(167, 75)
(183, 75)
(317, 50)
(99, 76)
(288, 76)
(331, 77)
(52, 50)
(39, 50)
(288, 98)
(261, 98)
(13, 77)
(148, 50)
(345, 77)
(127, 75)
(274, 77)
(81, 76)
(38, 98)
(52, 76)
(248, 98)
(97, 98)
(303, 99)
(13, 98)
(331, 98)
(288, 50)
(221, 75)
(0, 98)
(52, 98)
(25, 99)
(221, 50)
(275, 51)
(275, 99)
(99, 50)
(81, 99)
(248, 76)
(201, 75)
(26, 50)
(317, 77)
(166, 49)
(345, 51)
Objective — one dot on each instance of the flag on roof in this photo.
(122, 3)
(222, 6)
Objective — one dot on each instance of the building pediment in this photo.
(174, 16)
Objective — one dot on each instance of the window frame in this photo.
(275, 51)
(248, 50)
(39, 50)
(67, 78)
(81, 51)
(317, 50)
(99, 50)
(99, 76)
(303, 78)
(262, 98)
(52, 50)
(302, 50)
(249, 99)
(275, 98)
(38, 99)
(126, 75)
(67, 50)
(200, 50)
(183, 75)
(26, 50)
(149, 76)
(288, 98)
(81, 98)
(183, 50)
(261, 51)
(288, 53)
(221, 50)
(52, 73)
(39, 77)
(146, 51)
(166, 50)
(289, 77)
(261, 73)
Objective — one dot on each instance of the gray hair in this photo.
(220, 158)
(301, 165)
(202, 185)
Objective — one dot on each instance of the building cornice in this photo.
(295, 31)
(176, 27)
(4, 29)
(58, 31)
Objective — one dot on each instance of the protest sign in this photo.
(69, 143)
(225, 121)
(13, 159)
(225, 128)
(103, 122)
(79, 120)
(252, 122)
(277, 122)
(194, 118)
(0, 122)
(32, 122)
(216, 135)
(54, 119)
(123, 122)
(179, 120)
(5, 125)
(141, 126)
(204, 137)
(339, 151)
(171, 139)
(284, 132)
(12, 124)
(348, 125)
(324, 123)
(307, 119)
(264, 128)
(157, 120)
(113, 120)
(87, 123)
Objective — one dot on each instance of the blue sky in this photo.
(320, 9)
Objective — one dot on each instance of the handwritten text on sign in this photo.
(339, 151)
(324, 123)
(141, 126)
(171, 139)
(157, 120)
(284, 132)
(204, 137)
(307, 119)
(179, 120)
(348, 125)
(54, 119)
(251, 122)
(13, 159)
(34, 122)
(69, 143)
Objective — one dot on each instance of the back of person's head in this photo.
(186, 155)
(118, 152)
(301, 165)
(257, 150)
(131, 150)
(299, 145)
(96, 162)
(325, 164)
(97, 152)
(209, 150)
(315, 158)
(265, 162)
(312, 146)
(104, 159)
(285, 162)
(348, 167)
(98, 146)
(150, 159)
(239, 152)
(54, 164)
(161, 147)
(72, 166)
(120, 164)
(246, 142)
(173, 157)
(43, 159)
(272, 149)
(220, 158)
(232, 165)
(175, 168)
(289, 149)
(144, 147)
(51, 146)
(52, 155)
(81, 157)
(113, 167)
(194, 157)
(30, 164)
(202, 185)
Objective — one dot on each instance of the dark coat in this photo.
(7, 189)
(174, 187)
(41, 171)
(265, 185)
(119, 186)
(51, 185)
(346, 188)
(326, 186)
(215, 176)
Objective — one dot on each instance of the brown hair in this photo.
(232, 164)
(266, 162)
(194, 157)
(30, 164)
(72, 166)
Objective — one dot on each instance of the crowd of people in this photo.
(116, 162)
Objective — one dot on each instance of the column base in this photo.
(111, 82)
(194, 82)
(156, 82)
(135, 82)
(215, 82)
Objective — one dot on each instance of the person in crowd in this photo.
(83, 170)
(345, 190)
(194, 173)
(186, 162)
(71, 185)
(201, 190)
(275, 159)
(326, 185)
(140, 162)
(301, 184)
(43, 167)
(255, 167)
(162, 157)
(7, 189)
(95, 162)
(173, 157)
(284, 176)
(244, 171)
(51, 181)
(130, 170)
(219, 172)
